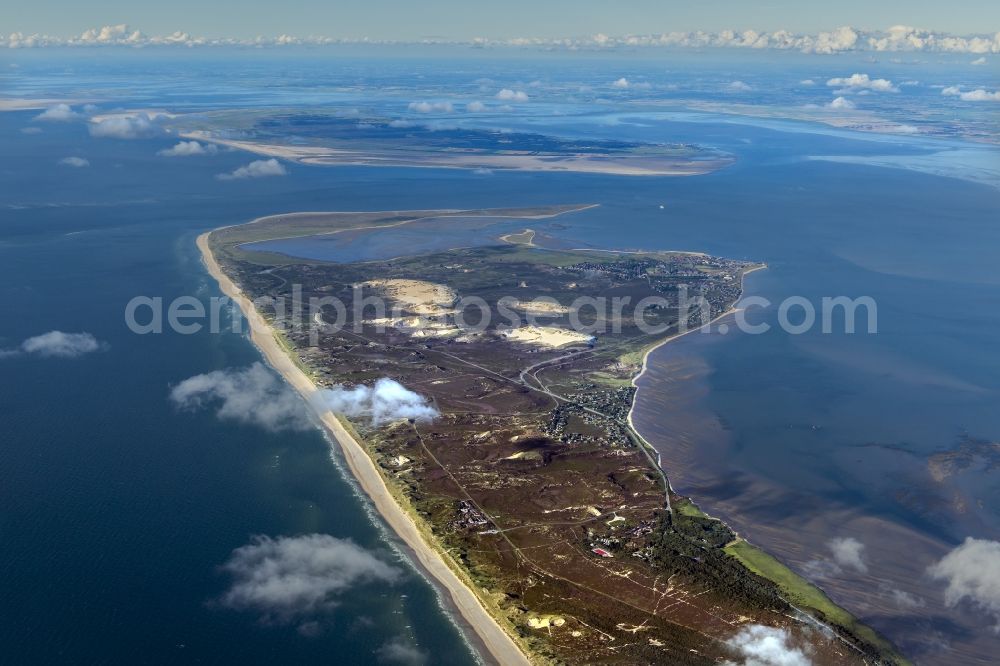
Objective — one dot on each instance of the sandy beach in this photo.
(501, 647)
(618, 164)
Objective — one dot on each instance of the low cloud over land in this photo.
(387, 400)
(257, 396)
(759, 645)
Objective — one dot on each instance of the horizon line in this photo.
(845, 39)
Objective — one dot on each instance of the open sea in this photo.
(118, 511)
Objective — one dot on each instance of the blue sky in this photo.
(462, 19)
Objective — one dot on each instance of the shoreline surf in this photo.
(495, 639)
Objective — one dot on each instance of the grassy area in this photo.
(686, 507)
(804, 594)
(540, 255)
(289, 350)
(608, 380)
(523, 254)
(227, 240)
(635, 356)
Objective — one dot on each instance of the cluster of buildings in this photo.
(469, 517)
(611, 432)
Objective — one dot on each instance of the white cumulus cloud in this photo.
(978, 61)
(253, 395)
(475, 107)
(56, 344)
(759, 645)
(907, 38)
(400, 651)
(841, 103)
(138, 126)
(256, 169)
(189, 148)
(58, 113)
(859, 82)
(110, 34)
(842, 39)
(77, 162)
(508, 95)
(290, 579)
(431, 107)
(847, 554)
(979, 95)
(387, 400)
(899, 598)
(972, 574)
(620, 83)
(739, 86)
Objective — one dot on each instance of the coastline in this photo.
(496, 640)
(757, 560)
(487, 626)
(624, 165)
(667, 340)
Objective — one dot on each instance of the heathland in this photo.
(524, 477)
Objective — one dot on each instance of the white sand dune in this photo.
(546, 336)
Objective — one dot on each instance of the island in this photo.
(320, 137)
(518, 482)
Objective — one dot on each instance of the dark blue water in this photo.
(116, 510)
